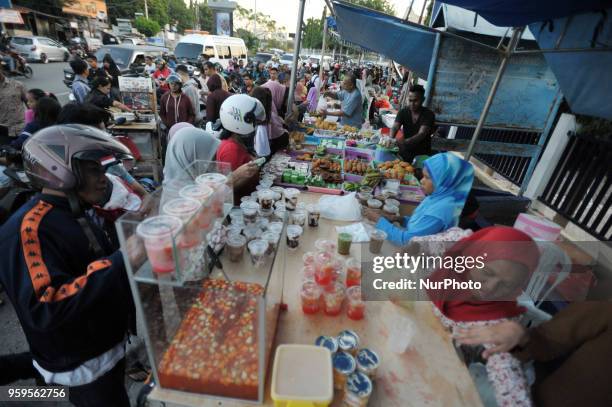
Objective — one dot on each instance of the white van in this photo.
(216, 48)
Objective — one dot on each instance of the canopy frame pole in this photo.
(422, 12)
(297, 44)
(407, 18)
(516, 35)
(324, 41)
(432, 71)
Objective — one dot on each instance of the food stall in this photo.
(142, 126)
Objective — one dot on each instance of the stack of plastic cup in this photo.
(186, 210)
(218, 183)
(356, 306)
(202, 194)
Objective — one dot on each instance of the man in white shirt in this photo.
(149, 67)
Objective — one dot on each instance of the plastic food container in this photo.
(186, 210)
(293, 236)
(328, 342)
(324, 245)
(266, 200)
(374, 204)
(217, 182)
(348, 341)
(235, 247)
(368, 362)
(157, 233)
(298, 217)
(353, 272)
(257, 250)
(391, 210)
(291, 198)
(344, 243)
(202, 194)
(357, 390)
(310, 385)
(333, 296)
(249, 211)
(313, 215)
(344, 365)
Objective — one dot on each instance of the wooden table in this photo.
(428, 374)
(145, 137)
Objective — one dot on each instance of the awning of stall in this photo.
(406, 43)
(513, 13)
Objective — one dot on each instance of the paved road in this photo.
(48, 77)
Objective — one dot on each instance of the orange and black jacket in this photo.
(72, 306)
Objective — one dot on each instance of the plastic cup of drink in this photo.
(309, 258)
(300, 206)
(157, 233)
(293, 236)
(280, 191)
(310, 295)
(291, 198)
(402, 331)
(392, 184)
(235, 228)
(262, 223)
(266, 200)
(249, 211)
(235, 247)
(355, 304)
(333, 296)
(327, 268)
(217, 182)
(275, 227)
(377, 238)
(236, 216)
(202, 194)
(272, 239)
(353, 272)
(325, 245)
(364, 197)
(251, 232)
(266, 183)
(308, 273)
(313, 215)
(298, 217)
(280, 214)
(344, 243)
(186, 210)
(247, 198)
(257, 250)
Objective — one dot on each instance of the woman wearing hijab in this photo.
(508, 258)
(176, 127)
(447, 180)
(188, 145)
(112, 70)
(215, 98)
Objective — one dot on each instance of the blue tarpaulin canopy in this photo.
(513, 13)
(408, 44)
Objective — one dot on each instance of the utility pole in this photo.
(422, 11)
(297, 44)
(146, 10)
(324, 41)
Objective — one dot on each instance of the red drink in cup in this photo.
(356, 305)
(353, 272)
(186, 210)
(157, 233)
(332, 299)
(217, 182)
(202, 194)
(310, 295)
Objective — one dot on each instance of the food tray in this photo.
(352, 177)
(352, 153)
(322, 190)
(326, 133)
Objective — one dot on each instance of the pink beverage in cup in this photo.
(356, 305)
(308, 273)
(333, 296)
(353, 272)
(310, 296)
(186, 210)
(217, 182)
(202, 194)
(325, 245)
(158, 232)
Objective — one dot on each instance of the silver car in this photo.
(41, 49)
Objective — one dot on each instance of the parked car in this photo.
(130, 59)
(287, 59)
(262, 57)
(43, 49)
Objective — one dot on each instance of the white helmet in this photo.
(240, 114)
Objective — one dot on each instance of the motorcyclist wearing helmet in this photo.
(161, 74)
(175, 107)
(240, 115)
(66, 281)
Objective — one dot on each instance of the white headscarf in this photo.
(188, 145)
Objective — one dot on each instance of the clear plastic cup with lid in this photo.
(293, 236)
(257, 250)
(374, 204)
(275, 227)
(314, 214)
(251, 232)
(249, 211)
(353, 272)
(158, 233)
(392, 201)
(186, 210)
(333, 296)
(377, 238)
(291, 198)
(272, 239)
(310, 296)
(298, 217)
(218, 182)
(355, 303)
(235, 247)
(266, 200)
(202, 194)
(266, 183)
(390, 210)
(326, 245)
(279, 193)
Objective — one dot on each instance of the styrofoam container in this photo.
(537, 227)
(302, 376)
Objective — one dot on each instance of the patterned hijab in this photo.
(452, 179)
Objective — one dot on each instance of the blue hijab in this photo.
(452, 180)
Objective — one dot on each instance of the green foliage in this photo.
(251, 42)
(147, 27)
(45, 6)
(205, 17)
(313, 33)
(179, 14)
(380, 5)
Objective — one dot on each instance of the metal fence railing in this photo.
(580, 188)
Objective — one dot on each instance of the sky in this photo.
(285, 11)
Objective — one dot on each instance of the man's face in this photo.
(273, 74)
(93, 188)
(148, 61)
(415, 101)
(240, 63)
(208, 71)
(92, 63)
(347, 84)
(261, 66)
(248, 81)
(175, 86)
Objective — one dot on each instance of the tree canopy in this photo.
(147, 27)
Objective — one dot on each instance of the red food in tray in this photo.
(215, 349)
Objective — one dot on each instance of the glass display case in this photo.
(208, 294)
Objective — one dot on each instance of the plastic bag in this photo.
(343, 208)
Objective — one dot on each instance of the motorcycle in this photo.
(22, 68)
(18, 190)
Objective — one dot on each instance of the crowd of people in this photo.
(65, 275)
